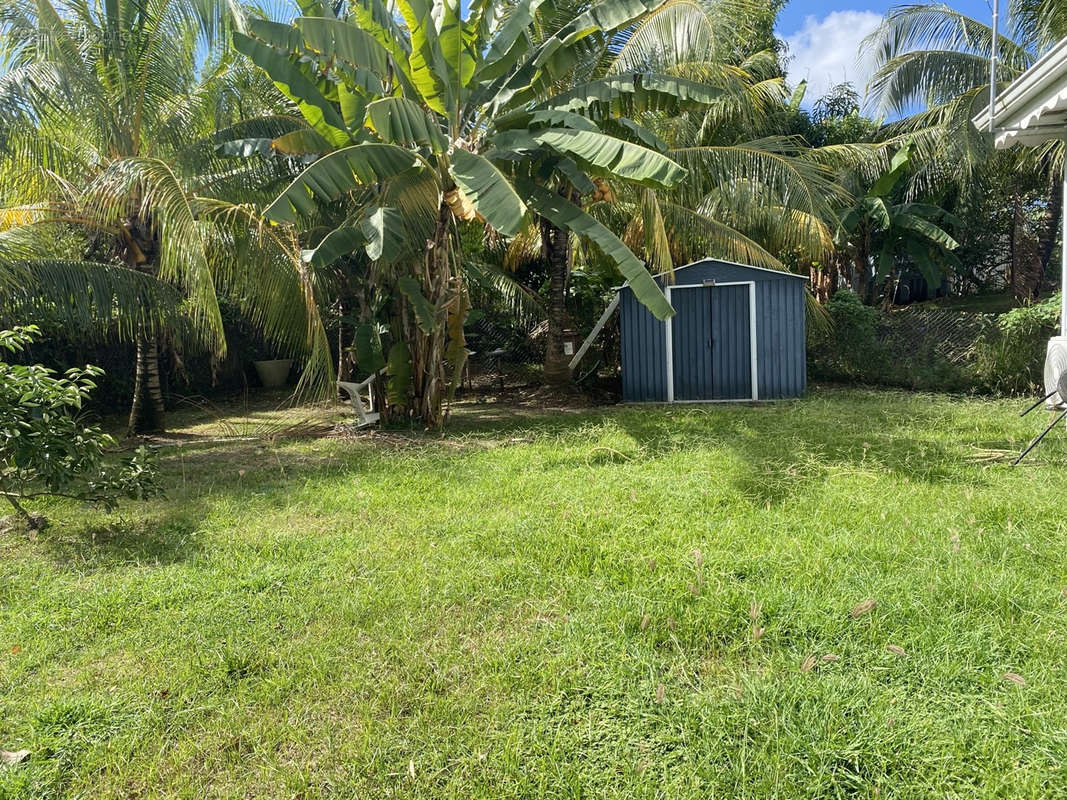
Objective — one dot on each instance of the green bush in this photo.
(1010, 360)
(863, 344)
(849, 348)
(47, 450)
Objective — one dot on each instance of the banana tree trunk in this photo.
(433, 351)
(147, 413)
(555, 245)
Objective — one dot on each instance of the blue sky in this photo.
(824, 37)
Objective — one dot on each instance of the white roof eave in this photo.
(1033, 109)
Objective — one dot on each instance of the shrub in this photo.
(1011, 358)
(47, 450)
(849, 348)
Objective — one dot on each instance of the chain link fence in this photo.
(934, 334)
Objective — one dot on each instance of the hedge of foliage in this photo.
(1007, 357)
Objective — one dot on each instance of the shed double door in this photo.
(711, 342)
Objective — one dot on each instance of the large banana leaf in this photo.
(379, 234)
(398, 120)
(564, 214)
(607, 16)
(425, 314)
(897, 167)
(315, 108)
(489, 191)
(429, 71)
(615, 156)
(301, 143)
(355, 49)
(338, 39)
(510, 42)
(369, 356)
(340, 172)
(573, 173)
(376, 20)
(556, 56)
(926, 229)
(387, 237)
(459, 51)
(336, 244)
(628, 129)
(625, 95)
(550, 118)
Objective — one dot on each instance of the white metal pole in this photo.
(1063, 259)
(993, 69)
(669, 346)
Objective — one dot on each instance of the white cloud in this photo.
(826, 52)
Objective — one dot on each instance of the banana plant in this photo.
(425, 119)
(878, 230)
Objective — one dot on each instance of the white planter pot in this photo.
(275, 373)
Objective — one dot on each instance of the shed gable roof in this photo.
(712, 261)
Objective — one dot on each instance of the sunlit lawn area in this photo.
(628, 602)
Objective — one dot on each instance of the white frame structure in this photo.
(753, 360)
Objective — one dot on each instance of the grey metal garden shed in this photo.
(737, 334)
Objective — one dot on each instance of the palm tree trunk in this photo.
(147, 413)
(555, 245)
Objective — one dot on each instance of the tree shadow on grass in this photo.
(770, 453)
(105, 542)
(785, 447)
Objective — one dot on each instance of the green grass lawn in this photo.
(630, 602)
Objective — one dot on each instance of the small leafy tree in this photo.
(46, 450)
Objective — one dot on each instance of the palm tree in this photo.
(119, 216)
(428, 120)
(936, 58)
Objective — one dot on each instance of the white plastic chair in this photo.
(361, 398)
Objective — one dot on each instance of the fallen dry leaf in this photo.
(808, 663)
(16, 649)
(757, 633)
(698, 558)
(866, 607)
(1014, 677)
(661, 692)
(896, 649)
(10, 759)
(831, 657)
(645, 621)
(411, 768)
